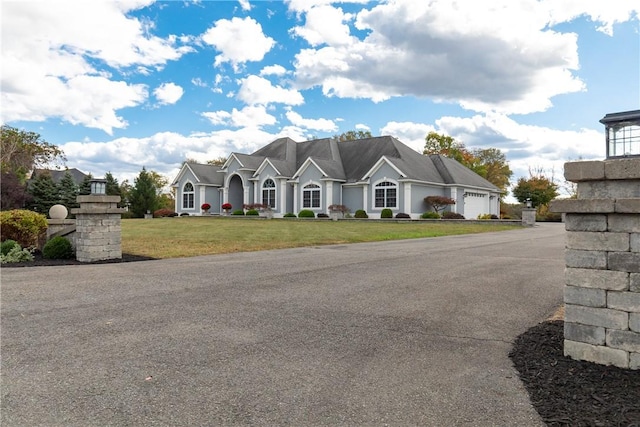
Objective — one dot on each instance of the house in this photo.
(369, 174)
(57, 175)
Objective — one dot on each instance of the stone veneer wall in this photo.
(602, 278)
(98, 228)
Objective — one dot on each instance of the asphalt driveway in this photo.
(413, 332)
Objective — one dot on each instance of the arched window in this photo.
(269, 193)
(311, 196)
(386, 195)
(188, 195)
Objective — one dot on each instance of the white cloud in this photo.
(606, 14)
(273, 70)
(249, 116)
(238, 41)
(502, 57)
(325, 25)
(361, 126)
(257, 90)
(197, 81)
(168, 93)
(245, 5)
(49, 52)
(324, 125)
(411, 133)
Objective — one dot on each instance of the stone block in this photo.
(583, 205)
(584, 171)
(604, 317)
(634, 322)
(634, 242)
(622, 168)
(585, 296)
(609, 189)
(625, 301)
(620, 223)
(585, 259)
(634, 282)
(628, 206)
(634, 360)
(600, 279)
(624, 340)
(597, 241)
(596, 354)
(585, 222)
(624, 261)
(588, 334)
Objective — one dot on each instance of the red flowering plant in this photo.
(226, 206)
(205, 206)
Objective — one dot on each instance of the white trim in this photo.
(304, 167)
(373, 199)
(329, 192)
(319, 189)
(182, 193)
(202, 197)
(295, 196)
(283, 197)
(407, 197)
(263, 165)
(262, 189)
(228, 162)
(378, 165)
(454, 196)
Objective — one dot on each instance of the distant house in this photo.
(370, 174)
(57, 175)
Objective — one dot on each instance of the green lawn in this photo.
(191, 236)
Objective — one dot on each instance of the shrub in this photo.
(7, 245)
(386, 213)
(227, 206)
(16, 254)
(306, 213)
(493, 216)
(323, 215)
(289, 215)
(238, 212)
(184, 214)
(164, 212)
(252, 212)
(127, 215)
(58, 248)
(25, 227)
(205, 206)
(484, 216)
(360, 213)
(430, 215)
(403, 215)
(452, 215)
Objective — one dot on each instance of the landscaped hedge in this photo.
(58, 248)
(238, 212)
(23, 226)
(430, 215)
(289, 215)
(452, 215)
(402, 215)
(306, 213)
(360, 213)
(252, 212)
(323, 215)
(386, 213)
(164, 212)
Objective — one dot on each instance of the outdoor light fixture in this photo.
(623, 134)
(98, 186)
(529, 202)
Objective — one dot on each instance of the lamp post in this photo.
(98, 187)
(623, 134)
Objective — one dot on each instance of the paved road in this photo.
(399, 333)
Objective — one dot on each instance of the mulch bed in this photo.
(39, 260)
(567, 392)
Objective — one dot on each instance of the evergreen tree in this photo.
(85, 186)
(68, 191)
(144, 194)
(44, 192)
(112, 186)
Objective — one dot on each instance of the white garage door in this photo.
(475, 204)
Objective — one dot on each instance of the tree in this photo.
(68, 191)
(496, 168)
(219, 161)
(13, 192)
(439, 203)
(112, 188)
(352, 135)
(84, 189)
(44, 192)
(22, 151)
(144, 193)
(539, 188)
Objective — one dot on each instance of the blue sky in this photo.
(122, 85)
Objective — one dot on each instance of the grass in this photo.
(191, 236)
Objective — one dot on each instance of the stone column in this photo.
(602, 278)
(528, 217)
(98, 228)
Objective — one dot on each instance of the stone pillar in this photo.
(602, 278)
(98, 228)
(528, 217)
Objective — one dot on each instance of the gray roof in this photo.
(57, 175)
(207, 174)
(350, 161)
